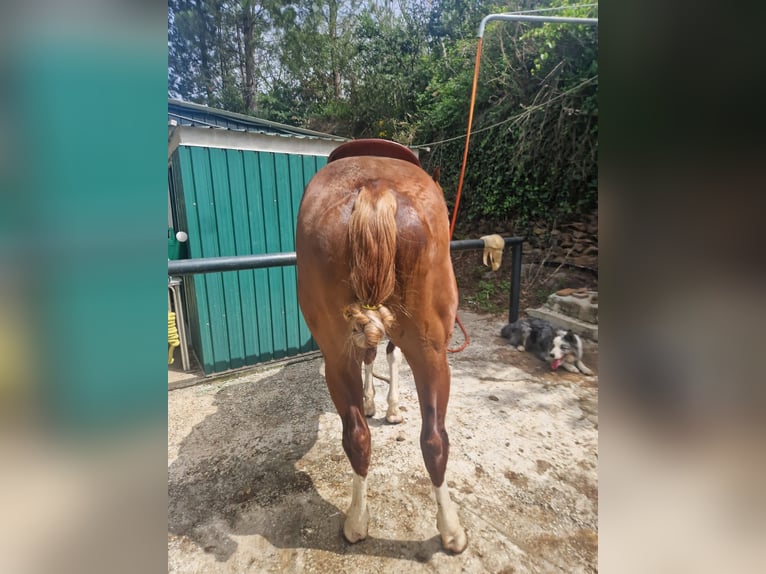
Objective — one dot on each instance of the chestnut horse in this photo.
(373, 259)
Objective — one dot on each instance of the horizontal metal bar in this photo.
(242, 262)
(465, 244)
(526, 18)
(234, 263)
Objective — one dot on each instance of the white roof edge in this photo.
(248, 119)
(249, 141)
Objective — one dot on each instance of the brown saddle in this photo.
(374, 147)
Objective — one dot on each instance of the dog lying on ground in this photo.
(556, 347)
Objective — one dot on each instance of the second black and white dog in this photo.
(556, 347)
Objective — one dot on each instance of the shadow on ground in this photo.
(236, 474)
(258, 480)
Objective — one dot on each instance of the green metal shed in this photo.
(235, 190)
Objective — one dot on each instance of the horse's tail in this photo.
(372, 243)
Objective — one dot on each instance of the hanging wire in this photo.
(518, 116)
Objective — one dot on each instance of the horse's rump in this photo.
(373, 237)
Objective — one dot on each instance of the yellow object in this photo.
(371, 307)
(493, 250)
(173, 339)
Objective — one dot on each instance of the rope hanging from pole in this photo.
(507, 17)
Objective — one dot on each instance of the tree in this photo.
(218, 53)
(402, 70)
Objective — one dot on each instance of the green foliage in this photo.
(489, 295)
(535, 154)
(403, 71)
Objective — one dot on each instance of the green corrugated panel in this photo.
(196, 298)
(258, 245)
(307, 166)
(239, 203)
(243, 244)
(271, 222)
(182, 164)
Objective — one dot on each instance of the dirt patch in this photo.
(258, 480)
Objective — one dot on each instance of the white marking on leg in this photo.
(369, 392)
(357, 516)
(585, 370)
(447, 521)
(570, 367)
(394, 359)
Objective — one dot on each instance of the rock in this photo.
(586, 261)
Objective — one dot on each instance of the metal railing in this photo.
(243, 262)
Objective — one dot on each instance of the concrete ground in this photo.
(258, 481)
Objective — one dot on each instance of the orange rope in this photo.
(466, 337)
(467, 137)
(467, 340)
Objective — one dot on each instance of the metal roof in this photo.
(196, 115)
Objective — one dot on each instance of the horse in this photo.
(373, 262)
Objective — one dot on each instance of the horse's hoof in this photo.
(394, 418)
(369, 409)
(456, 542)
(353, 535)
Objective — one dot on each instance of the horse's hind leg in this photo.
(394, 358)
(369, 388)
(432, 380)
(346, 392)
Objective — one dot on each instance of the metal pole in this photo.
(466, 244)
(242, 262)
(513, 314)
(527, 18)
(233, 263)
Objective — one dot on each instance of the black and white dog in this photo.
(557, 347)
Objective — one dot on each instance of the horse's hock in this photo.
(575, 309)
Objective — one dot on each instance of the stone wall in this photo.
(575, 243)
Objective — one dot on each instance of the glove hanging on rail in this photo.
(493, 249)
